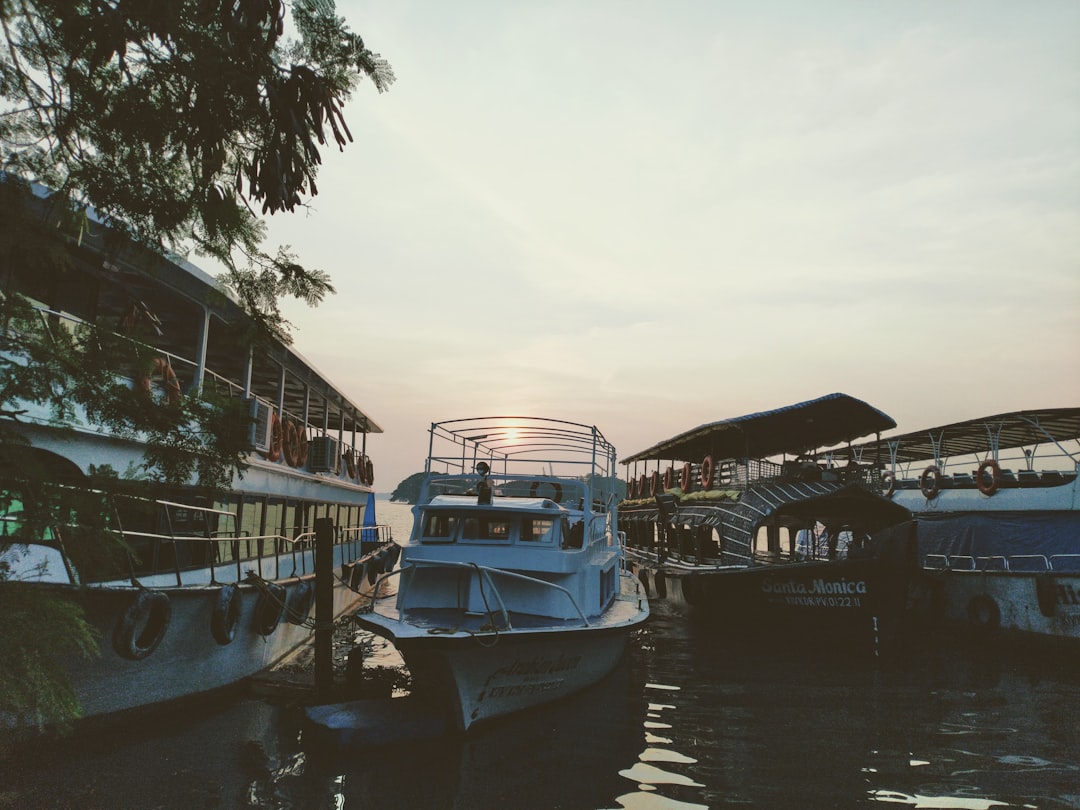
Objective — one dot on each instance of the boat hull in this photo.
(1038, 607)
(860, 604)
(188, 659)
(484, 677)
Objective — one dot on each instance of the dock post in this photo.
(324, 608)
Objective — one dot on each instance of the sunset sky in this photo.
(648, 216)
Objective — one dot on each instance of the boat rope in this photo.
(489, 630)
(263, 587)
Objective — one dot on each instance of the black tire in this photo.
(269, 609)
(374, 567)
(142, 626)
(228, 608)
(983, 613)
(660, 584)
(300, 601)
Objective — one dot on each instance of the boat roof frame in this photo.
(826, 421)
(987, 435)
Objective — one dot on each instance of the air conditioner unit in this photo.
(323, 455)
(259, 431)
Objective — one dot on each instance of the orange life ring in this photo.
(707, 472)
(163, 369)
(991, 486)
(630, 494)
(350, 463)
(669, 475)
(274, 453)
(642, 486)
(291, 443)
(684, 480)
(369, 467)
(654, 482)
(302, 445)
(888, 483)
(930, 481)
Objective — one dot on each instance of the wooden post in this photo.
(324, 608)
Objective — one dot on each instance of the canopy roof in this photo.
(980, 436)
(800, 428)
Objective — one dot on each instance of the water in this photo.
(682, 723)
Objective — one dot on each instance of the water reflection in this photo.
(683, 724)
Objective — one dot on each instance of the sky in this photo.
(648, 216)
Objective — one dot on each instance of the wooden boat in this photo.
(512, 590)
(212, 589)
(998, 509)
(749, 523)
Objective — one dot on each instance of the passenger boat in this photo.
(213, 587)
(752, 522)
(512, 590)
(998, 509)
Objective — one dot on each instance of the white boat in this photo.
(213, 589)
(512, 590)
(998, 508)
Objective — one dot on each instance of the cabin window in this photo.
(537, 530)
(439, 526)
(485, 528)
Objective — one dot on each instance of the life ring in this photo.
(290, 443)
(888, 483)
(669, 475)
(350, 463)
(369, 468)
(302, 445)
(684, 480)
(299, 604)
(630, 489)
(274, 453)
(642, 486)
(227, 609)
(163, 369)
(142, 626)
(654, 483)
(556, 489)
(983, 612)
(707, 472)
(988, 487)
(269, 609)
(930, 482)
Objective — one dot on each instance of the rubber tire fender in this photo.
(299, 603)
(269, 609)
(228, 608)
(983, 612)
(142, 625)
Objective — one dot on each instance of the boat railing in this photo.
(184, 374)
(1065, 562)
(1018, 563)
(487, 573)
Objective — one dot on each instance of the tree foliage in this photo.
(178, 124)
(180, 121)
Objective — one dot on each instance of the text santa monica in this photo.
(818, 586)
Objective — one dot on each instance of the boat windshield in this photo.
(446, 526)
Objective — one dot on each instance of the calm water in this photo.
(683, 723)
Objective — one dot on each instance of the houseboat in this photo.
(997, 505)
(188, 587)
(770, 526)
